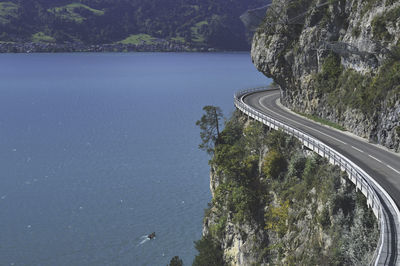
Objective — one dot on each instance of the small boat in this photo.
(152, 235)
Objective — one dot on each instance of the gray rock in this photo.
(292, 56)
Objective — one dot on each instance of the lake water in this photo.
(99, 150)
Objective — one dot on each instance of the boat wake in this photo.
(144, 239)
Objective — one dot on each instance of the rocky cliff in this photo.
(336, 59)
(276, 203)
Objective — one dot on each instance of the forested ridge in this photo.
(198, 23)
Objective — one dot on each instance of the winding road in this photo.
(381, 166)
(377, 161)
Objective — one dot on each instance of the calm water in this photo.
(98, 150)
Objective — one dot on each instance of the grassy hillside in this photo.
(8, 10)
(74, 12)
(206, 23)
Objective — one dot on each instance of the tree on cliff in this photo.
(175, 261)
(210, 127)
(210, 253)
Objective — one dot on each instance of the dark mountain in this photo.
(198, 23)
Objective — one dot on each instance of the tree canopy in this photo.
(210, 254)
(210, 125)
(176, 261)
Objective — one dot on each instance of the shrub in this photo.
(356, 31)
(276, 218)
(243, 202)
(310, 169)
(379, 29)
(327, 79)
(368, 5)
(217, 230)
(363, 92)
(222, 194)
(296, 166)
(379, 24)
(324, 219)
(274, 164)
(210, 253)
(176, 261)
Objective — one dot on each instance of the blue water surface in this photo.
(99, 150)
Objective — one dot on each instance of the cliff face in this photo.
(337, 59)
(275, 203)
(241, 243)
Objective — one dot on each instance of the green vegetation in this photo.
(379, 28)
(274, 164)
(74, 12)
(355, 90)
(138, 39)
(276, 218)
(366, 92)
(380, 22)
(327, 79)
(197, 30)
(368, 5)
(210, 124)
(8, 10)
(390, 2)
(266, 181)
(356, 30)
(178, 39)
(41, 37)
(210, 253)
(322, 121)
(239, 164)
(199, 24)
(176, 261)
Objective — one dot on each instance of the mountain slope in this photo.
(276, 203)
(339, 60)
(197, 23)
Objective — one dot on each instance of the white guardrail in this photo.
(378, 199)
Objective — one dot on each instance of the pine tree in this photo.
(210, 128)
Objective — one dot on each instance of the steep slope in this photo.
(336, 59)
(214, 24)
(275, 203)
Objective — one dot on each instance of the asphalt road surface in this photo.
(381, 164)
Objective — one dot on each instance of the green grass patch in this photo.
(178, 39)
(41, 37)
(197, 36)
(195, 7)
(74, 12)
(8, 10)
(322, 121)
(138, 39)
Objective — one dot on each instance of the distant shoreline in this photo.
(165, 46)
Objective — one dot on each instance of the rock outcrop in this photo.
(276, 203)
(336, 59)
